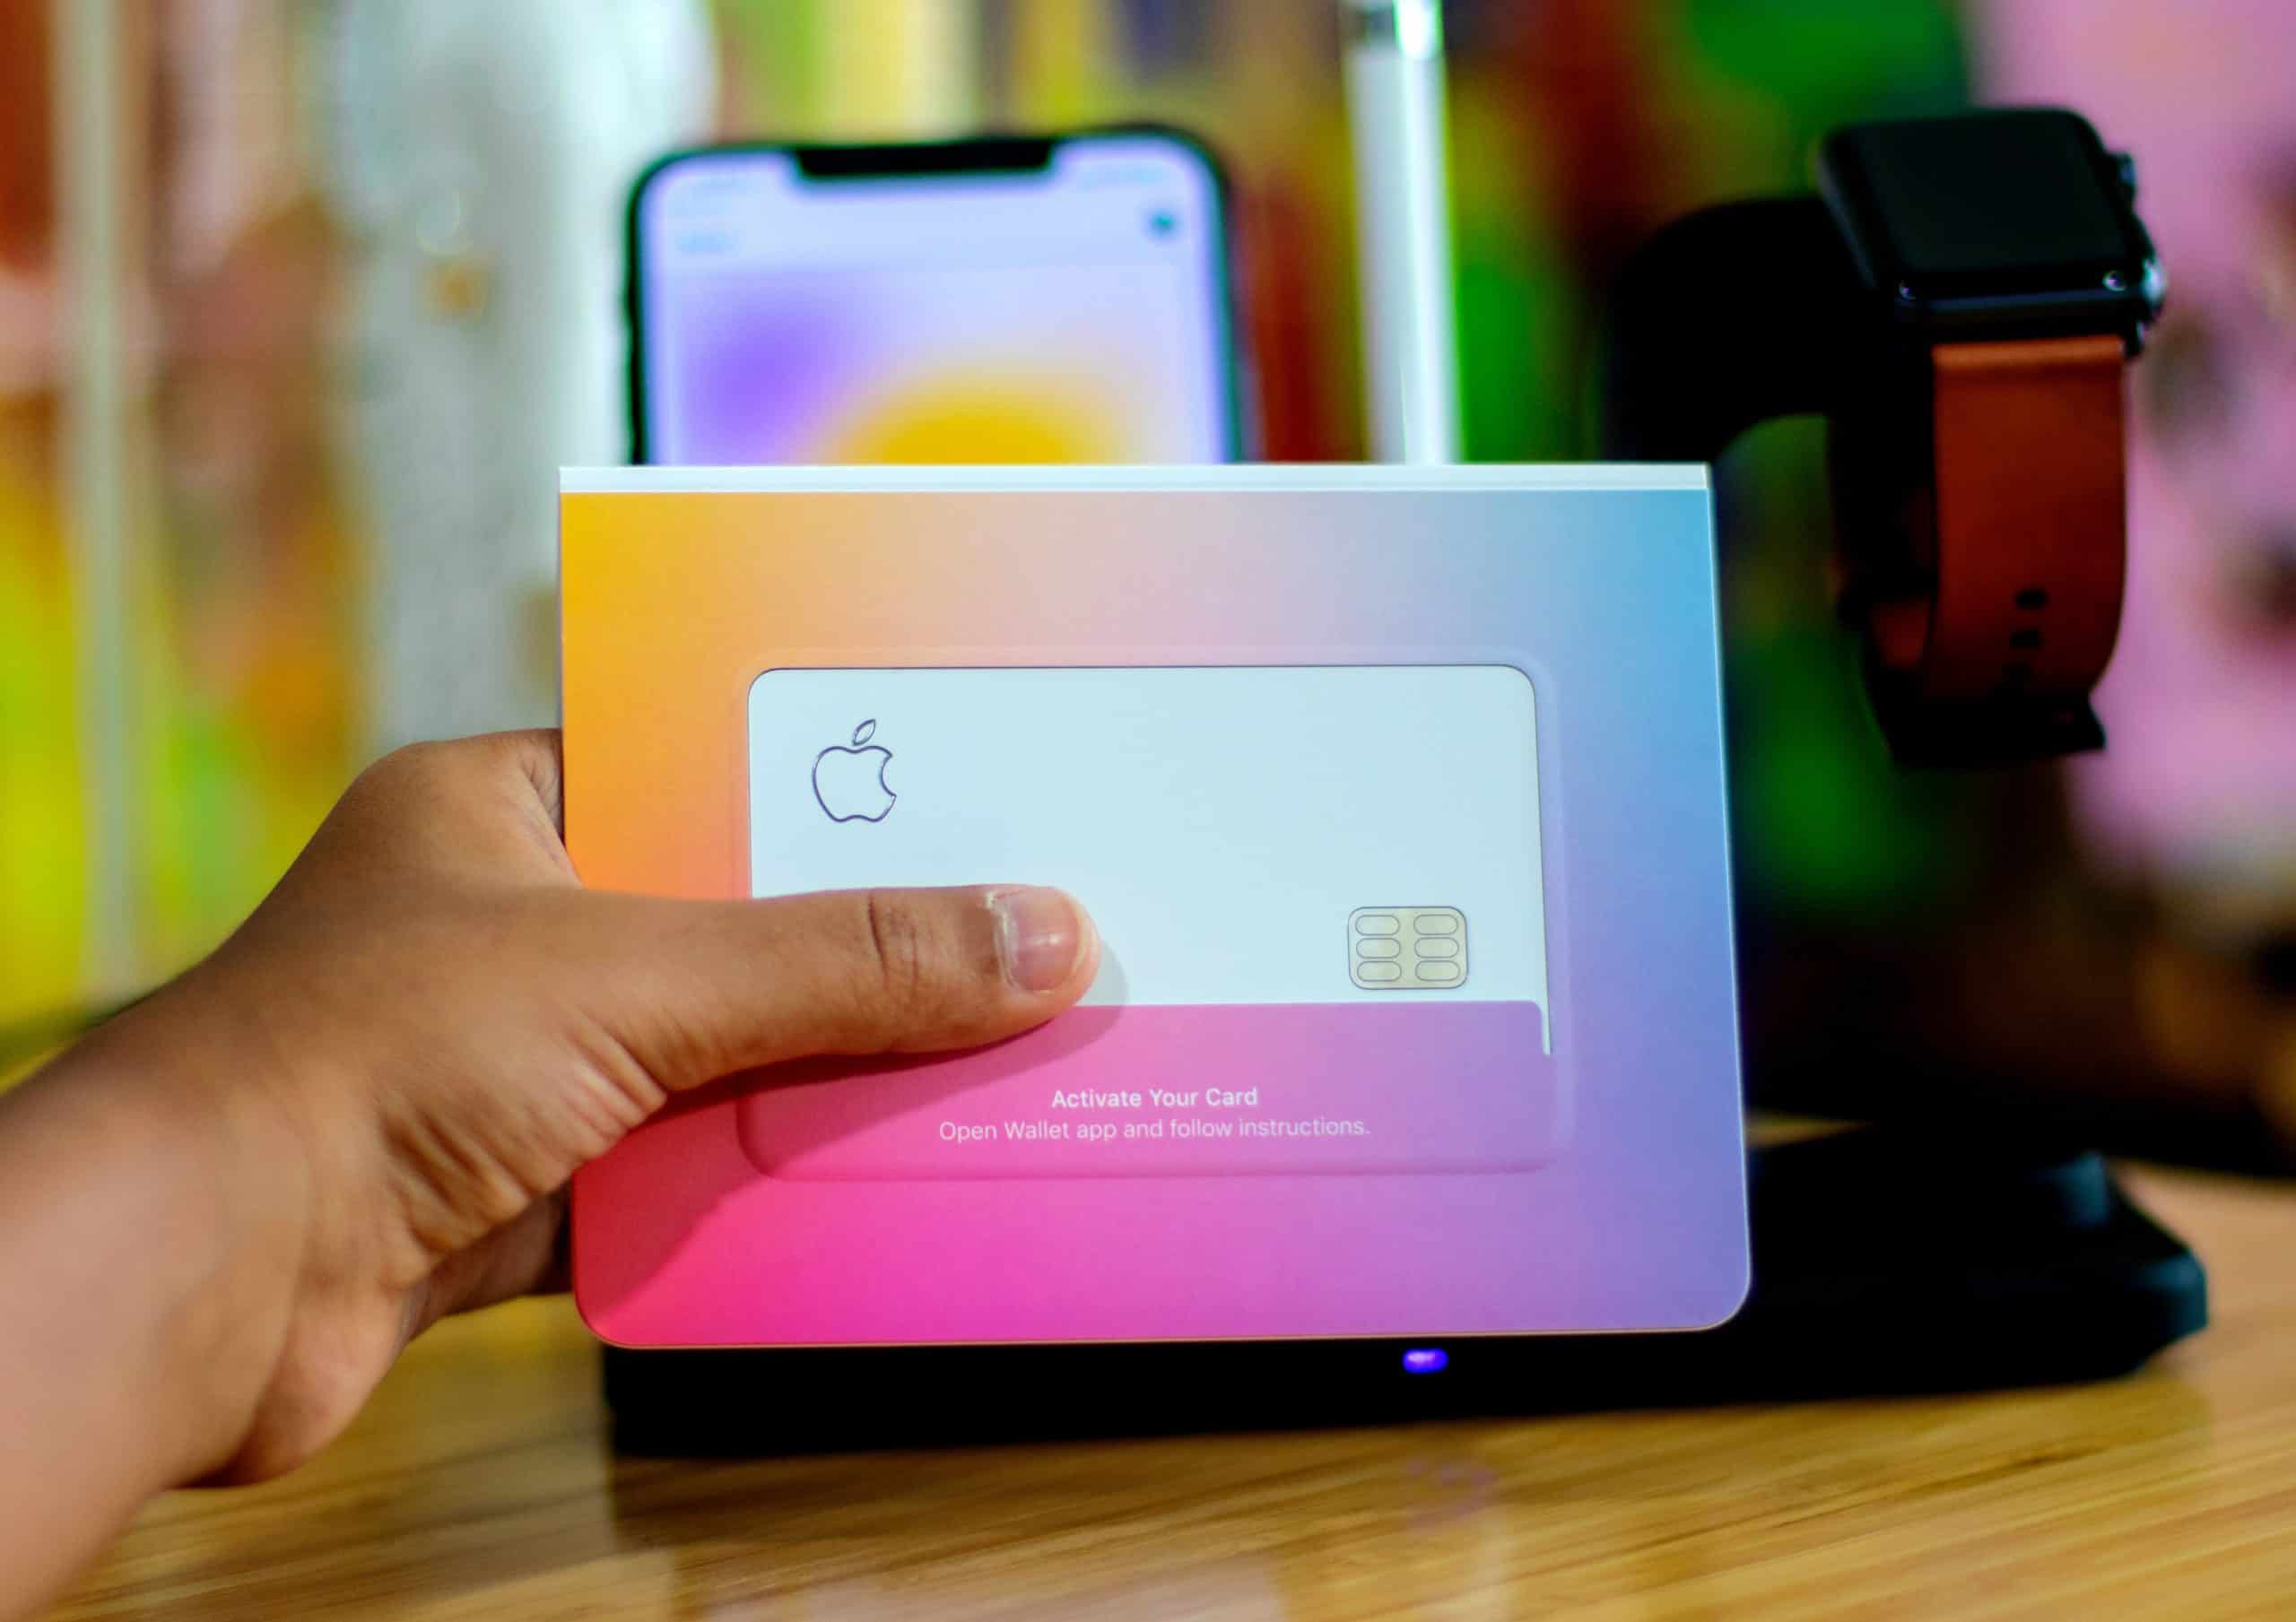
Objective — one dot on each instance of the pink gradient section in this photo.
(1414, 1084)
(690, 1246)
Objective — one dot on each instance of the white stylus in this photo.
(1395, 114)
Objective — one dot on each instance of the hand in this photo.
(368, 1101)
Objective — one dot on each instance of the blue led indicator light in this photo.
(1425, 1360)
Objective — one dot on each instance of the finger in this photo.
(487, 809)
(525, 1256)
(538, 755)
(694, 990)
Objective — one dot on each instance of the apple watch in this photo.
(1960, 302)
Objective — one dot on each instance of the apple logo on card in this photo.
(849, 783)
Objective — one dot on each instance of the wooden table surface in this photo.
(480, 1484)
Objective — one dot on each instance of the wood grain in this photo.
(479, 1484)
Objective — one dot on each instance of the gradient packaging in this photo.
(1399, 796)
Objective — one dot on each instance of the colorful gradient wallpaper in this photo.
(1076, 314)
(682, 587)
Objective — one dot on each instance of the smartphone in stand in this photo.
(1008, 299)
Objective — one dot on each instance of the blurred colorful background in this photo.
(289, 351)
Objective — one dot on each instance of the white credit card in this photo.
(1241, 834)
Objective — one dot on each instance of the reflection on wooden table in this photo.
(480, 1483)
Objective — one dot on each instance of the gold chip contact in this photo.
(1408, 948)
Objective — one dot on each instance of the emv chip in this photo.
(1408, 948)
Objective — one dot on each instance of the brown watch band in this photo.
(2029, 527)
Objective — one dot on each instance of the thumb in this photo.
(698, 990)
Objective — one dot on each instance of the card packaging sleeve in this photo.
(1396, 796)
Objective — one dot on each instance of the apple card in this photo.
(1243, 833)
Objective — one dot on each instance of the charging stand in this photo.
(1886, 1262)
